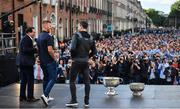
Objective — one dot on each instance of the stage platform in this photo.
(153, 97)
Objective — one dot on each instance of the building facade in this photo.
(174, 21)
(66, 14)
(128, 14)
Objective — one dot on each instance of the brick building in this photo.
(93, 11)
(98, 13)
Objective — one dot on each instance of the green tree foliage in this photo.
(175, 9)
(157, 17)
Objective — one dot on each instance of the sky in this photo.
(160, 5)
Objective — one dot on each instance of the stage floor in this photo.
(153, 97)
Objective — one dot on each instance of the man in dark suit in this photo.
(27, 60)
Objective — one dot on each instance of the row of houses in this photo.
(102, 15)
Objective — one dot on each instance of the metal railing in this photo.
(7, 43)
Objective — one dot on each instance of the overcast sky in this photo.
(160, 5)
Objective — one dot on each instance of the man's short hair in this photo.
(46, 21)
(29, 29)
(84, 24)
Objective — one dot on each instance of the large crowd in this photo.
(148, 58)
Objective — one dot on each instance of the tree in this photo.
(175, 9)
(157, 17)
(175, 14)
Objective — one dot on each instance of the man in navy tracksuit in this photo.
(48, 60)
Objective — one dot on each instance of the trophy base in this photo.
(137, 94)
(111, 91)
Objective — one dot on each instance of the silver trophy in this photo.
(111, 83)
(136, 88)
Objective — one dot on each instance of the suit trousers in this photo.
(27, 79)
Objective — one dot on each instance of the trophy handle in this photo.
(120, 80)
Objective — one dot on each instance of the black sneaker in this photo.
(72, 103)
(86, 105)
(86, 102)
(22, 98)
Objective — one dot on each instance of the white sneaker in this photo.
(44, 99)
(50, 98)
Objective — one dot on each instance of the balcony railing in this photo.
(7, 43)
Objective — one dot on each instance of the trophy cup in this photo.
(136, 88)
(111, 83)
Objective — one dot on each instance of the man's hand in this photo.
(56, 56)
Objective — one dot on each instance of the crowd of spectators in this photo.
(148, 58)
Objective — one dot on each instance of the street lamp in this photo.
(70, 17)
(112, 24)
(40, 13)
(56, 14)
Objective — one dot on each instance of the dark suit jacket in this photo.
(27, 52)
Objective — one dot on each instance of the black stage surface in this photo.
(153, 97)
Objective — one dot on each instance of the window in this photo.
(35, 24)
(53, 2)
(53, 19)
(77, 25)
(66, 31)
(46, 1)
(72, 29)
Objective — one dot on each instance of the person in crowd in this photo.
(27, 60)
(61, 71)
(162, 68)
(144, 69)
(127, 68)
(38, 73)
(107, 66)
(93, 67)
(121, 68)
(157, 70)
(171, 74)
(68, 67)
(135, 71)
(152, 74)
(175, 63)
(8, 27)
(48, 60)
(82, 48)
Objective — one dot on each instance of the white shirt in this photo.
(162, 67)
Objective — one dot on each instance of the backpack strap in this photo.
(79, 34)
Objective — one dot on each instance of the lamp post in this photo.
(40, 14)
(56, 13)
(112, 24)
(133, 18)
(13, 6)
(70, 17)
